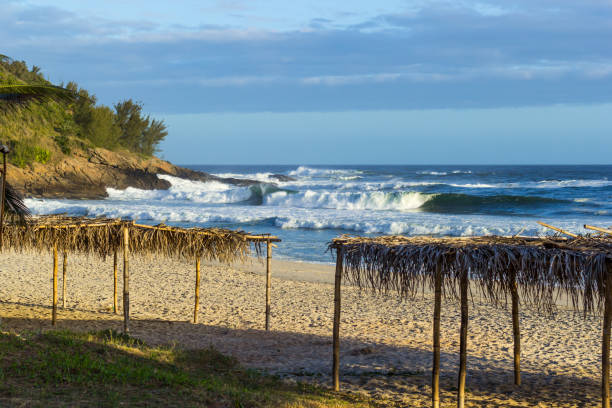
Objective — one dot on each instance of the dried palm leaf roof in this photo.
(542, 267)
(13, 96)
(103, 236)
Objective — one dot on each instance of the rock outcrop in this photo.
(87, 174)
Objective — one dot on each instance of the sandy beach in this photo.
(386, 343)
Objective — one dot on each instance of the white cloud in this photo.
(443, 44)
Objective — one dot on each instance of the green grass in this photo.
(62, 368)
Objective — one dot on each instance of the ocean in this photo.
(319, 203)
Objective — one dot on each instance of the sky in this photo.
(320, 82)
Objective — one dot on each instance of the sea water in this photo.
(323, 202)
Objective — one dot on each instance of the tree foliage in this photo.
(139, 133)
(75, 113)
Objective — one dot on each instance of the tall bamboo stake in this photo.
(54, 312)
(197, 292)
(435, 372)
(604, 230)
(516, 330)
(463, 340)
(4, 151)
(115, 309)
(126, 280)
(64, 265)
(336, 332)
(558, 230)
(268, 281)
(605, 344)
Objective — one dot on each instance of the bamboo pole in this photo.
(197, 291)
(84, 225)
(254, 238)
(558, 230)
(336, 331)
(463, 340)
(54, 312)
(4, 151)
(115, 308)
(516, 330)
(64, 265)
(605, 344)
(605, 231)
(435, 372)
(268, 281)
(126, 280)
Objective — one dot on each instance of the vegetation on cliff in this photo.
(50, 131)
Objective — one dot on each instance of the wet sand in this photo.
(386, 342)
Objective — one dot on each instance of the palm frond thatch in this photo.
(541, 267)
(14, 205)
(102, 237)
(17, 95)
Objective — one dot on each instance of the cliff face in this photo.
(87, 174)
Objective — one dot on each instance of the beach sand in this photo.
(385, 342)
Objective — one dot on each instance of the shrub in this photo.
(63, 143)
(41, 155)
(24, 153)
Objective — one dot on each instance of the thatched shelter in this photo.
(103, 237)
(534, 270)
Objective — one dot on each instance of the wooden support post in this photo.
(3, 198)
(64, 266)
(435, 372)
(268, 281)
(115, 308)
(605, 344)
(516, 330)
(336, 332)
(197, 291)
(54, 312)
(126, 280)
(464, 283)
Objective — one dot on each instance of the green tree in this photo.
(102, 130)
(138, 133)
(132, 124)
(152, 136)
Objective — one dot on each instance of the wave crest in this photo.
(375, 200)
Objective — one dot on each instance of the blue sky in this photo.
(393, 81)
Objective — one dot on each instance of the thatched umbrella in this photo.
(502, 267)
(103, 237)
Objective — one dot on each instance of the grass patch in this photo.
(62, 368)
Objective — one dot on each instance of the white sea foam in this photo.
(305, 171)
(375, 200)
(432, 173)
(262, 177)
(572, 183)
(351, 220)
(443, 173)
(479, 185)
(212, 192)
(348, 200)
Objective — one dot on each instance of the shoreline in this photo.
(385, 342)
(298, 271)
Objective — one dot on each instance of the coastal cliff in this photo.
(86, 175)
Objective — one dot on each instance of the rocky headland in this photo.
(86, 175)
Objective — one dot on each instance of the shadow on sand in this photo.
(400, 375)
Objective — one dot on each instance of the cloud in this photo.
(432, 54)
